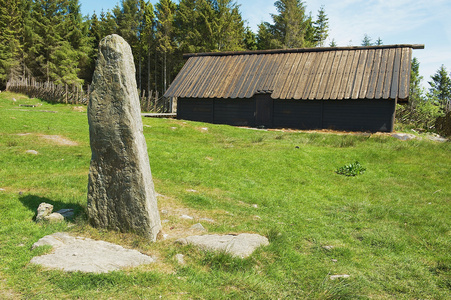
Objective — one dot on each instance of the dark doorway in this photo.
(263, 110)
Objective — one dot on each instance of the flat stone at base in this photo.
(241, 245)
(73, 254)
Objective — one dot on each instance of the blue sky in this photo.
(394, 21)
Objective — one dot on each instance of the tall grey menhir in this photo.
(121, 193)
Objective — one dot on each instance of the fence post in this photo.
(149, 96)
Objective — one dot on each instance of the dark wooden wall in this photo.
(350, 115)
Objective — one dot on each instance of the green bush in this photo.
(353, 169)
(421, 114)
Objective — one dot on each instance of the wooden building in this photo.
(342, 88)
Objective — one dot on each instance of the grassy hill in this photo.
(389, 228)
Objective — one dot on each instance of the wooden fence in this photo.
(54, 93)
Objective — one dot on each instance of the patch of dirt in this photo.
(330, 131)
(175, 226)
(56, 139)
(59, 140)
(79, 108)
(323, 131)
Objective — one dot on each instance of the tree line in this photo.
(51, 41)
(428, 109)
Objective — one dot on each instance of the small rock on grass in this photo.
(404, 136)
(44, 210)
(66, 212)
(45, 213)
(186, 217)
(180, 258)
(54, 217)
(437, 138)
(207, 220)
(198, 227)
(34, 152)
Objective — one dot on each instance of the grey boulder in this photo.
(44, 210)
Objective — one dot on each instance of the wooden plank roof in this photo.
(374, 72)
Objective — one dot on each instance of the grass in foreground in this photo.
(389, 227)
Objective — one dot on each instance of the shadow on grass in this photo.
(32, 203)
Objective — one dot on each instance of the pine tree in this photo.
(209, 25)
(292, 28)
(366, 41)
(333, 43)
(46, 32)
(165, 12)
(11, 48)
(228, 26)
(250, 39)
(147, 39)
(128, 19)
(265, 37)
(78, 46)
(108, 23)
(95, 30)
(190, 22)
(420, 111)
(379, 42)
(441, 88)
(415, 90)
(321, 26)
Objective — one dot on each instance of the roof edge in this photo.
(300, 50)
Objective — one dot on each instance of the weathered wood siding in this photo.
(297, 114)
(236, 112)
(362, 115)
(200, 110)
(349, 115)
(218, 111)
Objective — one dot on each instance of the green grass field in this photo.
(389, 227)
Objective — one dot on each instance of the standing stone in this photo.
(121, 193)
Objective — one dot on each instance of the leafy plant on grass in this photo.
(352, 169)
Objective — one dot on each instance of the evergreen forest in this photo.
(51, 41)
